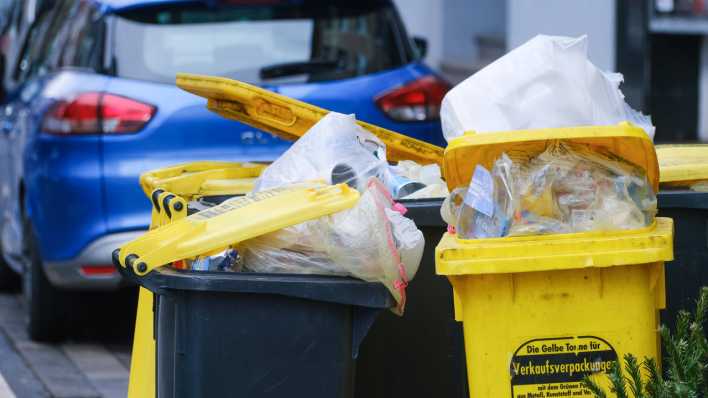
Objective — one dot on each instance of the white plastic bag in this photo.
(546, 82)
(371, 241)
(335, 150)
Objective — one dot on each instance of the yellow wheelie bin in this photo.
(171, 189)
(541, 312)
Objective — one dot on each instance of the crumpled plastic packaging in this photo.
(566, 188)
(226, 260)
(335, 150)
(484, 209)
(371, 241)
(428, 175)
(546, 82)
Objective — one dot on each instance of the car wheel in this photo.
(47, 307)
(9, 280)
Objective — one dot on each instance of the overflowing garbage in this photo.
(547, 82)
(372, 241)
(566, 188)
(337, 150)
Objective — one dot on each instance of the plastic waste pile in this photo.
(372, 241)
(336, 150)
(547, 82)
(567, 188)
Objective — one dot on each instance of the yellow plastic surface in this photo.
(192, 180)
(225, 186)
(289, 118)
(234, 221)
(518, 296)
(534, 322)
(625, 140)
(683, 164)
(519, 254)
(142, 360)
(142, 363)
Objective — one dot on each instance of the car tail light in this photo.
(96, 113)
(97, 270)
(416, 101)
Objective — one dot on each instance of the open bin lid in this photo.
(234, 221)
(194, 179)
(683, 164)
(289, 118)
(624, 140)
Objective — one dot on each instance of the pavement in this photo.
(93, 363)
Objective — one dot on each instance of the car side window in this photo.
(84, 42)
(31, 49)
(57, 35)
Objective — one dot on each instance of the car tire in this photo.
(9, 280)
(47, 306)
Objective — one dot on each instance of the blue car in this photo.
(96, 105)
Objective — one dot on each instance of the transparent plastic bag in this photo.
(587, 189)
(335, 150)
(566, 188)
(429, 176)
(485, 208)
(372, 241)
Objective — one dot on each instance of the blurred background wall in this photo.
(658, 45)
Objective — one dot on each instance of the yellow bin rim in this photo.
(554, 252)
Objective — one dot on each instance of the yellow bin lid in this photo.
(195, 179)
(289, 118)
(234, 221)
(686, 163)
(624, 140)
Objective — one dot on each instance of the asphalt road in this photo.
(93, 363)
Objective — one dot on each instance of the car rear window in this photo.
(270, 42)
